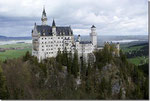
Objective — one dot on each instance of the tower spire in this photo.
(53, 27)
(44, 17)
(53, 24)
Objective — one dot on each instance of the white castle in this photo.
(47, 40)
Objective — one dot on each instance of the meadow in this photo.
(11, 54)
(138, 60)
(134, 56)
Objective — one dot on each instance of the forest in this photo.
(67, 77)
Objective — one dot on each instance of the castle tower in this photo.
(79, 39)
(93, 36)
(44, 17)
(53, 27)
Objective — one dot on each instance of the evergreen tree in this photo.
(120, 94)
(123, 57)
(3, 89)
(27, 56)
(69, 64)
(59, 56)
(65, 57)
(75, 65)
(83, 68)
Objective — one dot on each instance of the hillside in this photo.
(11, 51)
(137, 53)
(64, 77)
(4, 38)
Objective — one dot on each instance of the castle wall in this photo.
(49, 46)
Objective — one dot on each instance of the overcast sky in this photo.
(111, 17)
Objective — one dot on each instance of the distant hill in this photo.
(4, 38)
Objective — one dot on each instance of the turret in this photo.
(53, 27)
(118, 46)
(79, 39)
(44, 17)
(34, 31)
(93, 36)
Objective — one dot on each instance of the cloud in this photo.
(111, 17)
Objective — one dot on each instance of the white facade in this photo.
(47, 40)
(93, 35)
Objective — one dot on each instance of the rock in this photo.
(115, 88)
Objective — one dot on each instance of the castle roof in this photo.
(93, 26)
(85, 42)
(53, 24)
(44, 13)
(48, 30)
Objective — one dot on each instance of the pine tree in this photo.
(75, 65)
(64, 57)
(83, 68)
(120, 93)
(58, 57)
(3, 89)
(27, 56)
(69, 64)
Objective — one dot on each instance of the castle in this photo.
(47, 40)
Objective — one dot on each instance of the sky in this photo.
(111, 17)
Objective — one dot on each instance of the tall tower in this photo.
(54, 27)
(93, 36)
(79, 39)
(44, 17)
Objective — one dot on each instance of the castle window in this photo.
(61, 37)
(45, 38)
(58, 37)
(42, 49)
(42, 46)
(42, 38)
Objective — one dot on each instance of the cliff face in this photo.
(111, 74)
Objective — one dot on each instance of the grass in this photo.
(126, 49)
(138, 60)
(10, 54)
